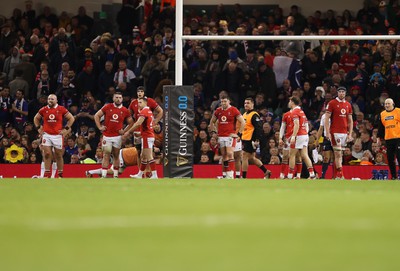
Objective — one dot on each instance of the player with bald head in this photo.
(49, 122)
(389, 129)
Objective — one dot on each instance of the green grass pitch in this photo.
(198, 225)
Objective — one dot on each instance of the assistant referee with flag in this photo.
(389, 128)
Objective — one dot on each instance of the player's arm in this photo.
(242, 123)
(158, 112)
(296, 127)
(36, 121)
(350, 124)
(135, 125)
(212, 123)
(282, 133)
(327, 126)
(129, 126)
(320, 131)
(70, 120)
(97, 118)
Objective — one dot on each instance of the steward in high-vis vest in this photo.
(251, 138)
(389, 129)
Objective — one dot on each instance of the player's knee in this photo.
(107, 149)
(47, 154)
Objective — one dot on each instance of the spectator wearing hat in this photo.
(88, 55)
(383, 19)
(86, 80)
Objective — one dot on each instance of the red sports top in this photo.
(298, 113)
(339, 111)
(287, 118)
(151, 103)
(146, 129)
(114, 118)
(53, 118)
(226, 120)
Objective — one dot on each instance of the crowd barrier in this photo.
(199, 171)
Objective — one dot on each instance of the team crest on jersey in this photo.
(104, 142)
(338, 140)
(343, 111)
(115, 116)
(44, 141)
(223, 118)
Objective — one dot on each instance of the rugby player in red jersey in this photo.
(53, 132)
(115, 115)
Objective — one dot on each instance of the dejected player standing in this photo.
(145, 122)
(339, 130)
(53, 132)
(115, 115)
(227, 115)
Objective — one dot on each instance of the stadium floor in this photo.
(198, 224)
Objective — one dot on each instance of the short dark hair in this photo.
(225, 96)
(118, 93)
(295, 100)
(249, 99)
(140, 88)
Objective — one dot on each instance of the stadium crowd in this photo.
(83, 62)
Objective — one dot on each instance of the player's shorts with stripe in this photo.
(300, 142)
(147, 142)
(113, 141)
(55, 141)
(227, 141)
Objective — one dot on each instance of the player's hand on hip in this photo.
(121, 132)
(102, 128)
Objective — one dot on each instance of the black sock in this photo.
(244, 174)
(262, 168)
(324, 168)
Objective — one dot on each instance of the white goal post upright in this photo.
(180, 38)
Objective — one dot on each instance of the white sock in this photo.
(154, 173)
(229, 174)
(281, 176)
(298, 175)
(95, 171)
(237, 173)
(104, 173)
(115, 171)
(290, 176)
(224, 173)
(53, 169)
(42, 169)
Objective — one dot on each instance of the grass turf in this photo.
(198, 224)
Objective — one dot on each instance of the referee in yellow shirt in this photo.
(389, 129)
